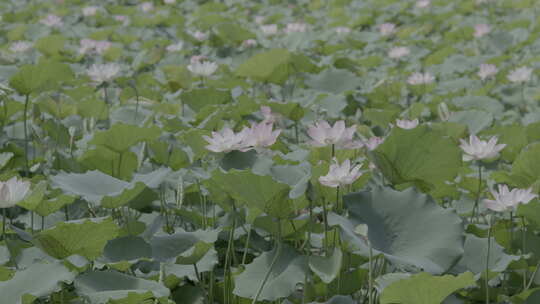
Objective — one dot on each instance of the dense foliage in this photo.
(301, 151)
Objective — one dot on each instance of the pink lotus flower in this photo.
(522, 74)
(269, 29)
(423, 3)
(249, 43)
(259, 19)
(407, 124)
(387, 29)
(342, 30)
(226, 140)
(12, 192)
(372, 143)
(269, 117)
(260, 136)
(89, 45)
(103, 72)
(175, 47)
(398, 52)
(52, 21)
(146, 7)
(20, 46)
(89, 11)
(123, 19)
(477, 149)
(505, 199)
(419, 78)
(205, 68)
(481, 30)
(197, 59)
(200, 36)
(323, 135)
(340, 175)
(487, 70)
(295, 27)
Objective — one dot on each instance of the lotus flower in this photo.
(12, 192)
(52, 21)
(260, 136)
(269, 29)
(249, 43)
(477, 149)
(387, 29)
(103, 72)
(342, 30)
(505, 199)
(146, 6)
(481, 30)
(20, 46)
(423, 3)
(398, 52)
(295, 27)
(420, 78)
(487, 70)
(323, 135)
(205, 68)
(522, 74)
(340, 175)
(176, 47)
(407, 124)
(225, 140)
(372, 143)
(89, 11)
(200, 36)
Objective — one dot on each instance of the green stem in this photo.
(118, 170)
(227, 269)
(523, 242)
(487, 263)
(338, 206)
(269, 271)
(325, 220)
(25, 125)
(475, 208)
(246, 247)
(4, 219)
(370, 279)
(296, 132)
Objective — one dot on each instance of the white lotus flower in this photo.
(260, 136)
(269, 29)
(205, 68)
(340, 175)
(323, 135)
(423, 3)
(12, 192)
(444, 113)
(200, 36)
(487, 70)
(387, 29)
(372, 143)
(259, 19)
(295, 27)
(89, 11)
(20, 46)
(481, 30)
(225, 140)
(52, 21)
(420, 78)
(407, 124)
(342, 30)
(398, 52)
(103, 72)
(522, 74)
(197, 58)
(146, 6)
(505, 199)
(249, 43)
(175, 47)
(477, 149)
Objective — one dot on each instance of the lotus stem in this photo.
(25, 126)
(475, 208)
(370, 278)
(274, 260)
(487, 262)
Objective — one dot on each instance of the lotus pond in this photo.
(279, 152)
